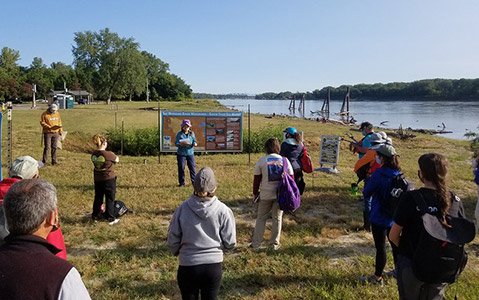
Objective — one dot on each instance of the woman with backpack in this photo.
(267, 173)
(105, 180)
(407, 229)
(200, 230)
(292, 149)
(379, 187)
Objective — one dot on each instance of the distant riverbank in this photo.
(457, 116)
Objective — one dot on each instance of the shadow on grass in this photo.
(252, 284)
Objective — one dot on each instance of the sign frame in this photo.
(205, 115)
(329, 151)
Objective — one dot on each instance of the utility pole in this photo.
(34, 90)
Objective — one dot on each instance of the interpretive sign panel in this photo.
(329, 150)
(214, 131)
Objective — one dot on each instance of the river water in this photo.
(457, 116)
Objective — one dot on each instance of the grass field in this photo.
(322, 256)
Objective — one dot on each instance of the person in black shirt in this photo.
(407, 225)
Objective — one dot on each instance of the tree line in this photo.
(222, 96)
(434, 89)
(104, 64)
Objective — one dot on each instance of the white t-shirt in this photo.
(270, 167)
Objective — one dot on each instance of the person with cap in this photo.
(367, 131)
(292, 149)
(26, 167)
(185, 141)
(366, 166)
(408, 225)
(105, 180)
(378, 189)
(200, 230)
(267, 173)
(52, 131)
(29, 268)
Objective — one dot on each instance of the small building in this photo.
(77, 95)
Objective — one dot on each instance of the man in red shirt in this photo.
(26, 167)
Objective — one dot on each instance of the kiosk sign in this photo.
(329, 150)
(214, 131)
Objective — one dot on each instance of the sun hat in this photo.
(24, 167)
(54, 107)
(378, 138)
(386, 150)
(205, 181)
(290, 130)
(186, 122)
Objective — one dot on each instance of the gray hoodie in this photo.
(200, 230)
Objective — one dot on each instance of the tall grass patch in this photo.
(136, 142)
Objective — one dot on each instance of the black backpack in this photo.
(119, 209)
(399, 185)
(440, 255)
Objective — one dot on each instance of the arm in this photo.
(173, 241)
(193, 140)
(44, 122)
(372, 186)
(73, 288)
(366, 159)
(228, 231)
(256, 184)
(177, 139)
(395, 234)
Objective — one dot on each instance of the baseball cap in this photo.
(290, 130)
(186, 122)
(54, 107)
(24, 167)
(205, 181)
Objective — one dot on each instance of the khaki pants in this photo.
(265, 207)
(50, 141)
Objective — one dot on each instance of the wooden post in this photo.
(115, 120)
(159, 133)
(249, 134)
(9, 132)
(122, 135)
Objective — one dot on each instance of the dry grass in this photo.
(322, 256)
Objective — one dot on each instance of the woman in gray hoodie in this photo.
(200, 230)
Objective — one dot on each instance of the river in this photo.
(457, 116)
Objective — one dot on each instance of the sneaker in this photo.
(276, 247)
(391, 273)
(114, 222)
(181, 185)
(371, 280)
(253, 247)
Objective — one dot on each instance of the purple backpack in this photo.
(288, 195)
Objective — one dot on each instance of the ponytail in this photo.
(434, 169)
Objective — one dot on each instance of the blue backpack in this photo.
(288, 195)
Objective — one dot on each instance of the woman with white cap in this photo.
(52, 131)
(292, 149)
(200, 230)
(185, 141)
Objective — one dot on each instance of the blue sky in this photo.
(260, 46)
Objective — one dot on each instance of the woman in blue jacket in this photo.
(379, 187)
(185, 141)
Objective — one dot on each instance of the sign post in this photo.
(329, 154)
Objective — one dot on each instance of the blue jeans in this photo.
(190, 160)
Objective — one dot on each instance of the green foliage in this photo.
(137, 142)
(461, 89)
(474, 139)
(259, 137)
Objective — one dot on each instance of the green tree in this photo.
(10, 73)
(39, 74)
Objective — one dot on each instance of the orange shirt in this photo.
(49, 121)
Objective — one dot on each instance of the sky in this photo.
(256, 46)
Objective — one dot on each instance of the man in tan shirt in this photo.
(52, 130)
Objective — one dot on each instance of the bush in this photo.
(137, 142)
(474, 139)
(259, 137)
(144, 141)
